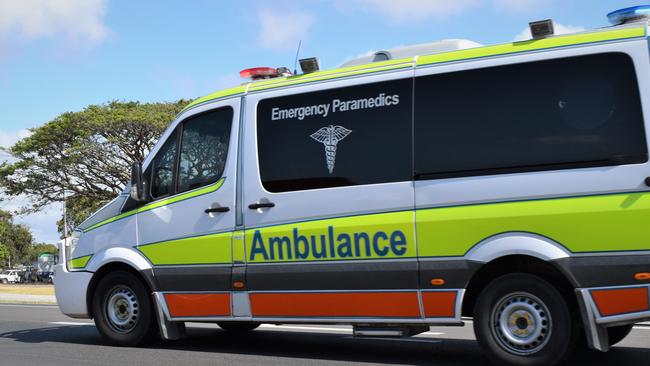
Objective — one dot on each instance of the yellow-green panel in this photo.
(79, 263)
(532, 45)
(581, 224)
(217, 95)
(377, 236)
(207, 249)
(180, 197)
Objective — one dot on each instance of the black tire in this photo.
(238, 327)
(133, 306)
(617, 334)
(530, 311)
(5, 281)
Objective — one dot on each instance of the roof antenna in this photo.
(295, 64)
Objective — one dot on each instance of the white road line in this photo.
(642, 327)
(70, 323)
(414, 340)
(28, 306)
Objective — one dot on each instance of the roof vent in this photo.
(446, 45)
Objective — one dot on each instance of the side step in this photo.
(390, 332)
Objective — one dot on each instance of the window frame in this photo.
(359, 81)
(533, 168)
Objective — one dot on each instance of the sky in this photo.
(62, 55)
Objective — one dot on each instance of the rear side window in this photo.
(338, 137)
(566, 113)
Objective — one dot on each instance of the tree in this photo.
(16, 238)
(87, 154)
(4, 255)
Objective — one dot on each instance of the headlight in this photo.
(70, 243)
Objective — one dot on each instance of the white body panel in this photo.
(188, 218)
(119, 233)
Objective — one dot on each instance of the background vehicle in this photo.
(9, 276)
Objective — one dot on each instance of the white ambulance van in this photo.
(505, 183)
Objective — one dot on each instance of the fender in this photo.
(125, 255)
(517, 243)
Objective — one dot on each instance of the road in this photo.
(40, 335)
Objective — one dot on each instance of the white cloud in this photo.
(282, 30)
(559, 29)
(79, 22)
(8, 138)
(406, 11)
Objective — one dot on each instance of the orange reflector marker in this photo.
(238, 284)
(642, 276)
(438, 281)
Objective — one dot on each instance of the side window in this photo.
(204, 148)
(162, 168)
(557, 114)
(338, 137)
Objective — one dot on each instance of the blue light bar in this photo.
(625, 15)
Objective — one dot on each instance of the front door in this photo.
(328, 201)
(185, 230)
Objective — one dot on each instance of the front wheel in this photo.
(521, 319)
(4, 281)
(123, 309)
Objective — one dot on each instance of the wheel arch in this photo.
(518, 263)
(116, 259)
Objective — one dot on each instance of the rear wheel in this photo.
(617, 334)
(238, 327)
(123, 309)
(521, 319)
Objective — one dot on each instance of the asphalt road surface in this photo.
(40, 335)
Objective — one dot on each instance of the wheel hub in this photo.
(122, 309)
(521, 323)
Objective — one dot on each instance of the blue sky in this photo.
(62, 55)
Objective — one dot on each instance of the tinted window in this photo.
(204, 148)
(162, 168)
(338, 137)
(566, 113)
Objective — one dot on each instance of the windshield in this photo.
(5, 272)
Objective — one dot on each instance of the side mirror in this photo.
(137, 184)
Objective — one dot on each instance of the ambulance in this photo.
(415, 187)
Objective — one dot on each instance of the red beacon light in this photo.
(259, 73)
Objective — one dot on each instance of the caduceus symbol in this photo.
(330, 137)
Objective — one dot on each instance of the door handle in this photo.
(217, 209)
(255, 206)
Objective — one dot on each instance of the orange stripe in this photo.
(342, 304)
(198, 304)
(439, 304)
(621, 301)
